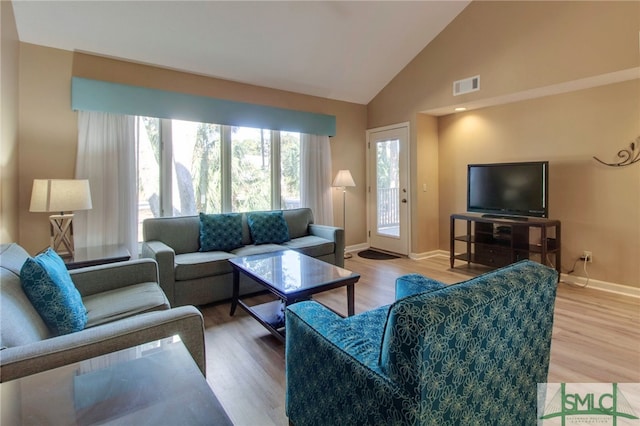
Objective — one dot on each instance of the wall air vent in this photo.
(466, 85)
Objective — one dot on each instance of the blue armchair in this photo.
(470, 353)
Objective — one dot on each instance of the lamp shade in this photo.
(343, 179)
(60, 195)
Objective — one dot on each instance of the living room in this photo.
(559, 82)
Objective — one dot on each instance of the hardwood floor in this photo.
(596, 338)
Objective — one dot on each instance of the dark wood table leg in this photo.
(350, 301)
(236, 291)
(452, 234)
(558, 248)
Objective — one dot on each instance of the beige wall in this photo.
(48, 132)
(9, 52)
(424, 171)
(599, 206)
(516, 47)
(48, 127)
(513, 46)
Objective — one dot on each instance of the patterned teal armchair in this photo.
(470, 353)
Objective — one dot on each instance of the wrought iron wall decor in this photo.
(627, 156)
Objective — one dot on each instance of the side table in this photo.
(99, 255)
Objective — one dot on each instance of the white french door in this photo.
(388, 188)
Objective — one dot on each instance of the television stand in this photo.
(501, 241)
(497, 216)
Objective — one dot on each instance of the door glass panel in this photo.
(388, 183)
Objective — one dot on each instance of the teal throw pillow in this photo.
(268, 227)
(47, 283)
(220, 231)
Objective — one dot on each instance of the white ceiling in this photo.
(333, 49)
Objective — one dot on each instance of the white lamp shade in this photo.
(343, 179)
(60, 195)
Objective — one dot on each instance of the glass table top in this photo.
(291, 272)
(151, 384)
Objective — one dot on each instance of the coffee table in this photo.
(291, 276)
(157, 383)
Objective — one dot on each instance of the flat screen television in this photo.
(517, 190)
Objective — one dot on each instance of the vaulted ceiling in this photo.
(333, 49)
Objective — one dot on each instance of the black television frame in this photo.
(509, 213)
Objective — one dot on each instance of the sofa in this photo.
(189, 276)
(469, 353)
(125, 307)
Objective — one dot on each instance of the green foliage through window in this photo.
(198, 165)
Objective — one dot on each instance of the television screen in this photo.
(510, 189)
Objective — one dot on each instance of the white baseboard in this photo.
(623, 290)
(428, 254)
(356, 248)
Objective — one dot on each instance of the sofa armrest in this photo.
(410, 284)
(55, 352)
(334, 234)
(98, 279)
(165, 256)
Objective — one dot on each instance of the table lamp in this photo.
(61, 195)
(343, 180)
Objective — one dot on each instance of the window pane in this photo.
(148, 170)
(290, 169)
(189, 180)
(250, 169)
(196, 168)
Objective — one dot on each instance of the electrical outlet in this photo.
(587, 255)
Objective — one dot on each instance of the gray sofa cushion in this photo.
(124, 302)
(262, 248)
(311, 246)
(298, 221)
(189, 266)
(21, 323)
(181, 233)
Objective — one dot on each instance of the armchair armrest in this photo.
(98, 279)
(334, 234)
(55, 352)
(410, 284)
(165, 257)
(329, 372)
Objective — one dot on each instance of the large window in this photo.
(186, 167)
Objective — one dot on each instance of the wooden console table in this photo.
(500, 241)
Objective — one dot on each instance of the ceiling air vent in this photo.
(466, 85)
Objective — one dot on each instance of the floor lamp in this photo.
(343, 180)
(61, 195)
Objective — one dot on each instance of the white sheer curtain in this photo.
(107, 157)
(315, 177)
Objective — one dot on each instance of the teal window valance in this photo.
(95, 95)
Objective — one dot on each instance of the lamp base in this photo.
(62, 234)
